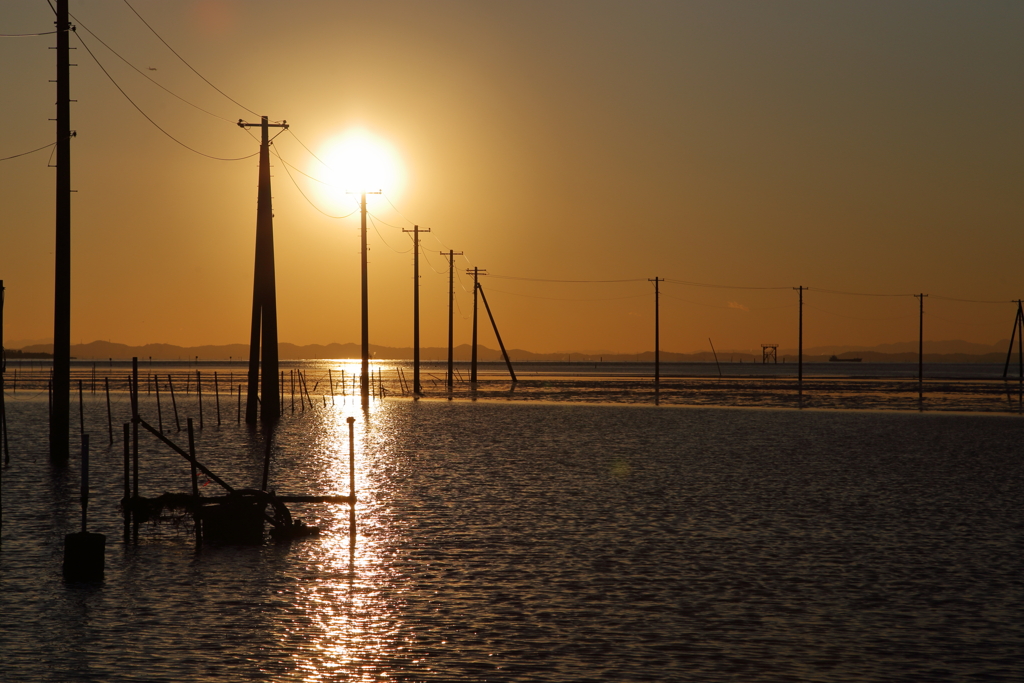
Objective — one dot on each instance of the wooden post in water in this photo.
(657, 337)
(352, 481)
(216, 395)
(110, 419)
(195, 482)
(81, 411)
(199, 393)
(174, 402)
(126, 504)
(239, 409)
(135, 440)
(159, 409)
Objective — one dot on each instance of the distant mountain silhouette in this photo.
(953, 351)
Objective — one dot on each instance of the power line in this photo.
(307, 148)
(705, 284)
(26, 35)
(832, 291)
(186, 63)
(145, 75)
(538, 279)
(556, 298)
(137, 107)
(382, 237)
(15, 156)
(310, 201)
(973, 301)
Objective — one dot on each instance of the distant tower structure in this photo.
(264, 297)
(769, 353)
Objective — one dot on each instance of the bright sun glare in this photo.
(358, 161)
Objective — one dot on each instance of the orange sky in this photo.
(870, 147)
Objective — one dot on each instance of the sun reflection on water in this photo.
(348, 619)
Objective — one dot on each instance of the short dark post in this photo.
(110, 419)
(83, 552)
(174, 402)
(81, 411)
(352, 481)
(239, 410)
(159, 409)
(195, 483)
(126, 504)
(199, 393)
(135, 441)
(657, 337)
(216, 396)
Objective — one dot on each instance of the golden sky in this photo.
(868, 147)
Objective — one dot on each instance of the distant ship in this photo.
(837, 359)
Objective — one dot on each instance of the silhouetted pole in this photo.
(501, 345)
(60, 414)
(364, 377)
(657, 334)
(263, 381)
(1018, 322)
(451, 303)
(800, 345)
(3, 369)
(352, 481)
(417, 390)
(920, 348)
(476, 285)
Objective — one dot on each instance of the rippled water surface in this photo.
(540, 542)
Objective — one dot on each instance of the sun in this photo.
(357, 161)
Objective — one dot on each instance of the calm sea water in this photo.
(505, 541)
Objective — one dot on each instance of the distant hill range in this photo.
(903, 352)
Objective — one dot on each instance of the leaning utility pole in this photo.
(60, 414)
(264, 296)
(497, 335)
(657, 335)
(364, 377)
(800, 345)
(451, 302)
(476, 285)
(417, 390)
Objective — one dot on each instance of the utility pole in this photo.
(476, 285)
(497, 335)
(451, 302)
(417, 390)
(364, 377)
(920, 348)
(264, 295)
(60, 414)
(800, 345)
(657, 335)
(1018, 333)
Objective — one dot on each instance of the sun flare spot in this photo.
(358, 161)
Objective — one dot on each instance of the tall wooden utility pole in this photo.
(417, 390)
(264, 297)
(451, 303)
(476, 284)
(800, 345)
(920, 349)
(657, 335)
(60, 414)
(364, 377)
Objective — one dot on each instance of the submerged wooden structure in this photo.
(238, 516)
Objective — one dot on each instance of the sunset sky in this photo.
(867, 147)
